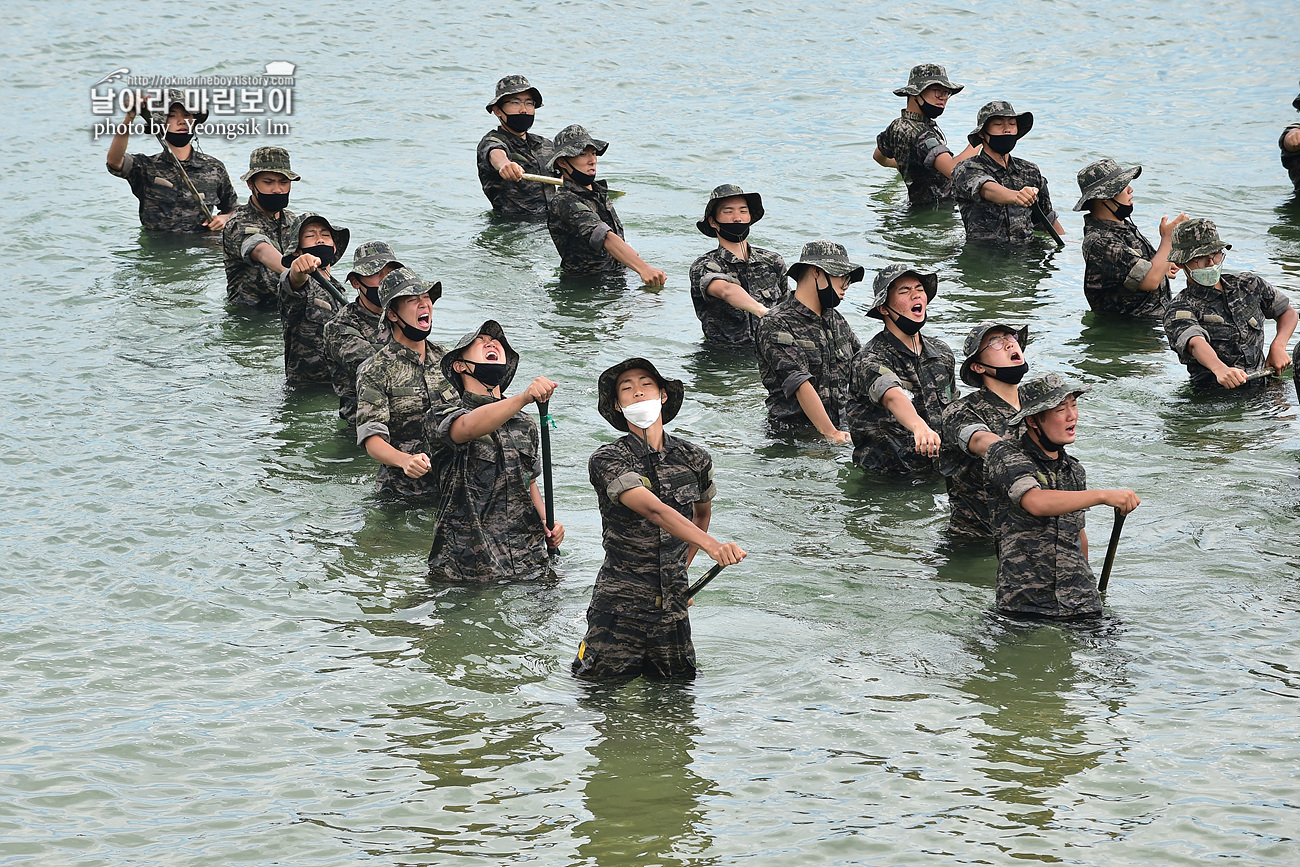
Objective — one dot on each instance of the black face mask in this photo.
(273, 203)
(520, 122)
(582, 179)
(930, 111)
(1121, 212)
(1012, 374)
(1003, 144)
(324, 252)
(371, 293)
(828, 297)
(490, 373)
(178, 139)
(906, 324)
(733, 232)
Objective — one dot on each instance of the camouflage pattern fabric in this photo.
(762, 275)
(1117, 258)
(515, 198)
(1041, 567)
(617, 647)
(351, 337)
(488, 527)
(304, 313)
(579, 219)
(794, 346)
(880, 442)
(988, 223)
(250, 283)
(644, 573)
(395, 391)
(1231, 321)
(166, 203)
(1196, 237)
(1290, 161)
(979, 411)
(915, 142)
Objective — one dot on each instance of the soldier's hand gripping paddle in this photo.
(198, 199)
(555, 182)
(1110, 551)
(548, 485)
(1051, 230)
(708, 576)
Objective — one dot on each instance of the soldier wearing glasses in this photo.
(510, 151)
(1216, 324)
(914, 144)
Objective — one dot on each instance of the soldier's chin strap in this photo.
(1044, 443)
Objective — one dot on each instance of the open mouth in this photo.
(1015, 358)
(1069, 430)
(492, 354)
(423, 321)
(918, 310)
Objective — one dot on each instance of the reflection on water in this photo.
(1220, 422)
(1113, 347)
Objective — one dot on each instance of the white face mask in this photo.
(643, 413)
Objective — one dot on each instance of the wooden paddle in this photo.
(1110, 551)
(708, 576)
(548, 484)
(1051, 230)
(555, 182)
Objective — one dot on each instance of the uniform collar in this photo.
(1036, 451)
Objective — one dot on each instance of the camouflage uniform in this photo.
(880, 442)
(915, 142)
(762, 275)
(249, 283)
(1291, 161)
(1117, 259)
(305, 311)
(1231, 321)
(986, 222)
(794, 346)
(351, 337)
(166, 203)
(515, 198)
(1041, 566)
(579, 219)
(639, 601)
(962, 419)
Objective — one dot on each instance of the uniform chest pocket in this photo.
(407, 391)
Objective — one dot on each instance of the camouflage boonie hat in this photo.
(1194, 238)
(607, 387)
(401, 282)
(269, 159)
(924, 75)
(509, 86)
(173, 96)
(1000, 108)
(340, 235)
(371, 257)
(492, 329)
(886, 277)
(1103, 179)
(971, 348)
(728, 191)
(830, 257)
(572, 141)
(1046, 392)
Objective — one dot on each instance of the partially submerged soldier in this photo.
(655, 494)
(309, 297)
(583, 223)
(1037, 497)
(914, 144)
(1122, 272)
(996, 192)
(901, 381)
(398, 385)
(733, 286)
(492, 521)
(993, 363)
(357, 332)
(1289, 145)
(1216, 324)
(508, 152)
(166, 202)
(258, 233)
(804, 345)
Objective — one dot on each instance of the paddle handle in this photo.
(548, 484)
(708, 576)
(1051, 230)
(330, 288)
(1260, 374)
(1110, 551)
(544, 179)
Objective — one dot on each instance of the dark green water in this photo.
(219, 648)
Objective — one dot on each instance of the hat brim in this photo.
(340, 234)
(930, 282)
(537, 98)
(569, 152)
(1024, 123)
(753, 200)
(372, 266)
(492, 329)
(607, 400)
(918, 89)
(975, 380)
(1203, 250)
(286, 173)
(1108, 187)
(834, 267)
(1049, 401)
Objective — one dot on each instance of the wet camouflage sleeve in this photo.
(1041, 567)
(578, 221)
(350, 338)
(961, 420)
(166, 203)
(915, 143)
(1117, 258)
(250, 283)
(1231, 321)
(990, 223)
(488, 527)
(1290, 161)
(880, 442)
(304, 313)
(762, 276)
(644, 572)
(519, 199)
